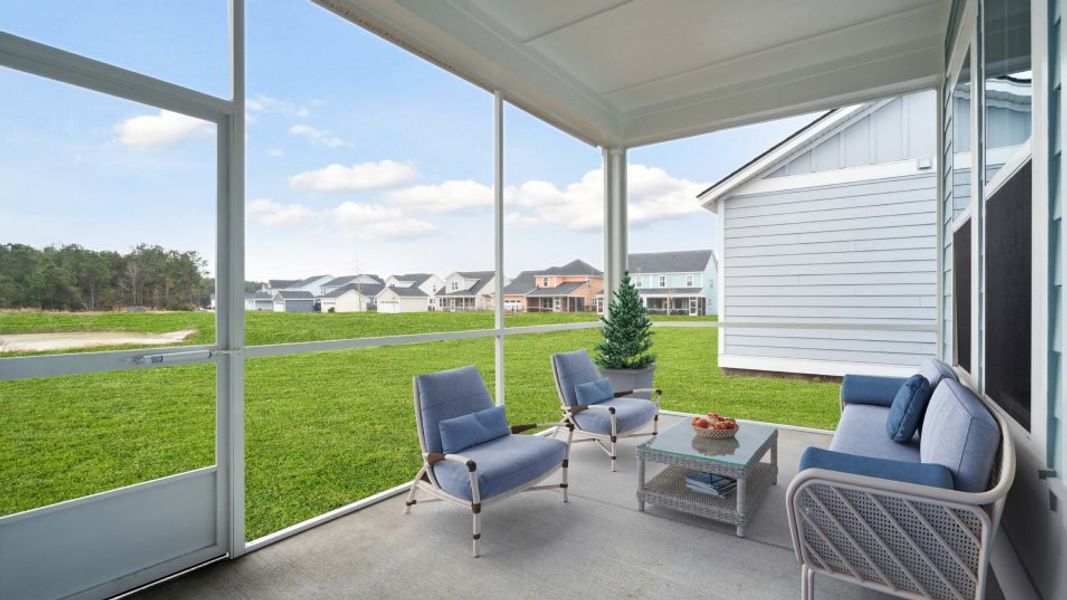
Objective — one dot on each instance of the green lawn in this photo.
(323, 429)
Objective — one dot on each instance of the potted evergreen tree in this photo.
(625, 355)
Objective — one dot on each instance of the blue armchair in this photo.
(470, 456)
(602, 419)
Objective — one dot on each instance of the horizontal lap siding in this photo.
(858, 254)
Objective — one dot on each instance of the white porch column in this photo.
(498, 241)
(615, 222)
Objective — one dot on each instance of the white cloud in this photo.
(261, 103)
(364, 176)
(163, 129)
(317, 136)
(273, 213)
(449, 196)
(275, 152)
(653, 195)
(377, 221)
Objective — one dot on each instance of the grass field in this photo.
(322, 429)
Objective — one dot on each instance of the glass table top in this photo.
(681, 440)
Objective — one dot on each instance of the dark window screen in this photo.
(961, 294)
(1007, 320)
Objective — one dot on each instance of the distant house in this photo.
(342, 281)
(675, 283)
(468, 290)
(829, 238)
(572, 287)
(393, 299)
(293, 301)
(259, 301)
(312, 284)
(429, 283)
(351, 297)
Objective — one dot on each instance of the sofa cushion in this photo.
(897, 470)
(472, 429)
(934, 371)
(861, 431)
(630, 413)
(595, 391)
(908, 408)
(869, 389)
(961, 434)
(502, 465)
(448, 394)
(572, 369)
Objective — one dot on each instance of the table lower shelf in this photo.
(668, 490)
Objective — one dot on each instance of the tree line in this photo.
(74, 278)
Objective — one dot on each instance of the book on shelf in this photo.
(710, 484)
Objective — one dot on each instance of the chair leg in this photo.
(655, 424)
(566, 460)
(411, 494)
(807, 583)
(614, 453)
(477, 531)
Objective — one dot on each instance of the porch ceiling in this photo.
(632, 72)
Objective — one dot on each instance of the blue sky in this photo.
(358, 153)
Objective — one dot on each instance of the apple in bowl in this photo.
(714, 425)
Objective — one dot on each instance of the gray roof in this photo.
(293, 295)
(575, 267)
(482, 277)
(347, 279)
(565, 289)
(680, 261)
(367, 289)
(416, 278)
(523, 284)
(276, 284)
(658, 291)
(307, 281)
(409, 292)
(257, 296)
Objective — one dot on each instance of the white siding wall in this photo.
(850, 254)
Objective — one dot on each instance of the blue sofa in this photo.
(913, 518)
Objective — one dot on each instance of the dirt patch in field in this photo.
(75, 340)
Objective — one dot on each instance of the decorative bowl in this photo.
(715, 434)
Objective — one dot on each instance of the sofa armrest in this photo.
(869, 389)
(928, 474)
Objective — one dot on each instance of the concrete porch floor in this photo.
(533, 546)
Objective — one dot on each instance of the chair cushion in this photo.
(572, 369)
(594, 391)
(630, 414)
(445, 395)
(934, 371)
(868, 389)
(861, 431)
(472, 429)
(908, 408)
(962, 435)
(895, 470)
(502, 464)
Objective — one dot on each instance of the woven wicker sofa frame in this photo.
(909, 540)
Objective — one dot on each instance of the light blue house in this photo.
(676, 283)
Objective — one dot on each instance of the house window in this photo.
(544, 282)
(688, 281)
(663, 281)
(455, 286)
(961, 294)
(639, 282)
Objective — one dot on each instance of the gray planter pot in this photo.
(631, 379)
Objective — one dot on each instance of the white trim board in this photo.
(811, 367)
(890, 170)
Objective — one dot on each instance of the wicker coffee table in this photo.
(684, 452)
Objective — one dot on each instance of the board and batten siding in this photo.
(861, 253)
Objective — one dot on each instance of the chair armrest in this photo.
(436, 457)
(928, 474)
(528, 426)
(869, 389)
(621, 393)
